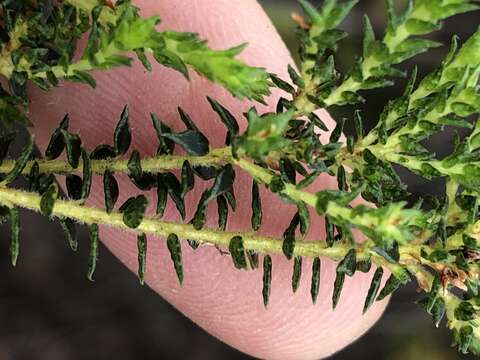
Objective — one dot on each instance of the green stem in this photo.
(91, 215)
(260, 244)
(154, 165)
(217, 156)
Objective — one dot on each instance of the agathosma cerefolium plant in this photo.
(435, 241)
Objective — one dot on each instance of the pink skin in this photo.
(225, 302)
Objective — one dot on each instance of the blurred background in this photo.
(48, 309)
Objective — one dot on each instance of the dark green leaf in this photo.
(349, 263)
(317, 121)
(110, 189)
(83, 77)
(146, 181)
(465, 338)
(465, 311)
(391, 285)
(281, 84)
(390, 254)
(287, 171)
(276, 185)
(166, 146)
(295, 77)
(368, 37)
(188, 178)
(289, 240)
(222, 208)
(171, 60)
(187, 120)
(237, 252)
(143, 59)
(304, 216)
(308, 180)
(205, 172)
(142, 256)
(227, 118)
(87, 175)
(267, 279)
(373, 290)
(193, 244)
(162, 192)
(74, 185)
(193, 142)
(252, 257)
(102, 152)
(93, 252)
(57, 144)
(297, 273)
(20, 163)
(256, 207)
(74, 146)
(175, 249)
(122, 136)
(15, 235)
(337, 132)
(48, 200)
(134, 165)
(133, 211)
(330, 231)
(315, 286)
(358, 125)
(175, 191)
(223, 182)
(230, 196)
(198, 220)
(337, 288)
(342, 179)
(438, 311)
(364, 266)
(70, 230)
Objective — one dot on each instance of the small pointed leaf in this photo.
(315, 285)
(175, 249)
(110, 189)
(297, 273)
(337, 288)
(133, 211)
(256, 207)
(267, 279)
(122, 136)
(93, 252)
(373, 290)
(20, 163)
(15, 235)
(237, 252)
(70, 230)
(48, 200)
(142, 256)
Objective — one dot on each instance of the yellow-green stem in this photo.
(156, 164)
(260, 244)
(91, 215)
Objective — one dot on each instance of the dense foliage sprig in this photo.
(435, 241)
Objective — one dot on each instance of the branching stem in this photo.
(261, 244)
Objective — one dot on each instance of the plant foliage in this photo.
(435, 241)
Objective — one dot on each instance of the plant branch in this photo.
(151, 164)
(261, 244)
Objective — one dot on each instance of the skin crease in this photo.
(225, 302)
